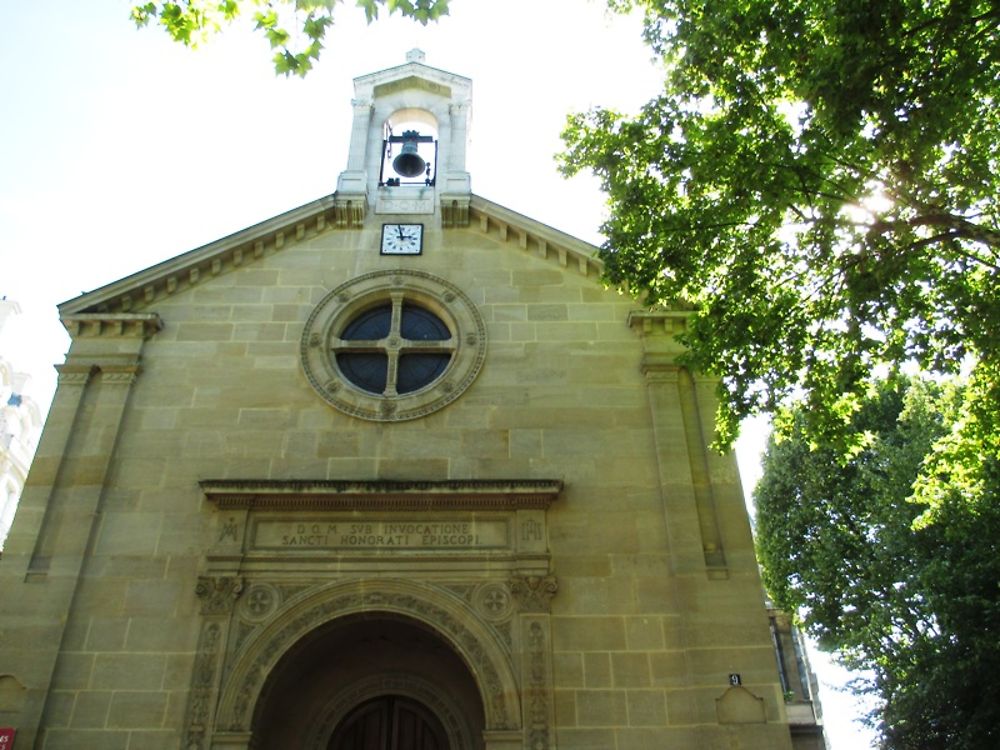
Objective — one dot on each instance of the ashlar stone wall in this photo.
(657, 601)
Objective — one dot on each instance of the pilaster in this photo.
(681, 444)
(62, 499)
(218, 595)
(353, 181)
(534, 595)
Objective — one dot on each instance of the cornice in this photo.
(344, 211)
(534, 236)
(112, 325)
(669, 322)
(413, 69)
(191, 268)
(263, 494)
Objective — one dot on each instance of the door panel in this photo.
(390, 723)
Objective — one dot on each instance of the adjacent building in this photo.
(20, 426)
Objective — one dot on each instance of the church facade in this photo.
(390, 470)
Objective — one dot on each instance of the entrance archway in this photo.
(261, 660)
(374, 681)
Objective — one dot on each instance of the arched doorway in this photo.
(390, 722)
(370, 681)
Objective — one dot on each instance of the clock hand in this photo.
(399, 228)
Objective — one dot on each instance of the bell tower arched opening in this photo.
(410, 148)
(373, 677)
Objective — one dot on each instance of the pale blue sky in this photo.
(119, 148)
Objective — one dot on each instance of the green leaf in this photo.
(191, 22)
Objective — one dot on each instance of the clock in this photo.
(402, 239)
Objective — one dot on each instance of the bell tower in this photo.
(408, 143)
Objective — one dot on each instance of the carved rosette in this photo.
(218, 594)
(534, 593)
(493, 602)
(260, 602)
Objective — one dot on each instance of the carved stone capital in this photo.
(218, 594)
(534, 593)
(455, 210)
(349, 209)
(122, 375)
(73, 374)
(112, 369)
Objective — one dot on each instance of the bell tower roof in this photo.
(413, 98)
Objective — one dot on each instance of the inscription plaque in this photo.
(381, 534)
(404, 206)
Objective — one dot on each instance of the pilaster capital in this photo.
(113, 369)
(120, 374)
(660, 368)
(74, 374)
(350, 203)
(455, 205)
(218, 594)
(534, 593)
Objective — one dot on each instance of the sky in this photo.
(120, 148)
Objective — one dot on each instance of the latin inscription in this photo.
(404, 206)
(381, 534)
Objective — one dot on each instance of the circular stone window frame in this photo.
(342, 305)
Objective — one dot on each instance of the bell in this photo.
(409, 163)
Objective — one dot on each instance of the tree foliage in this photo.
(915, 603)
(818, 181)
(294, 28)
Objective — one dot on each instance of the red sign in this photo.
(7, 738)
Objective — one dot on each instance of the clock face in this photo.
(402, 239)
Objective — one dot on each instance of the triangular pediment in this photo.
(409, 76)
(138, 291)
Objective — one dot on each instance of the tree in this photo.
(818, 182)
(192, 22)
(848, 548)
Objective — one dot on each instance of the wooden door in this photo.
(390, 722)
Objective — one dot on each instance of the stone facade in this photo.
(226, 543)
